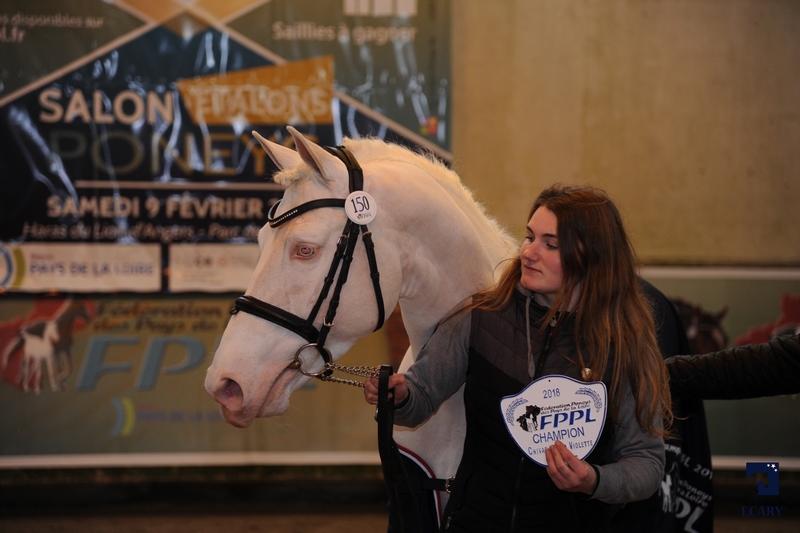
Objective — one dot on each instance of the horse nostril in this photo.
(232, 389)
(229, 394)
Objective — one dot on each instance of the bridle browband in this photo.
(342, 258)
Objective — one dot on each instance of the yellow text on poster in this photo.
(293, 93)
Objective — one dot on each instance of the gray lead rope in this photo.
(535, 370)
(531, 363)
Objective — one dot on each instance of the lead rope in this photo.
(363, 371)
(535, 370)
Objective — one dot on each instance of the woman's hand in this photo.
(567, 471)
(397, 388)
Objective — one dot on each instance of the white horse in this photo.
(47, 342)
(434, 245)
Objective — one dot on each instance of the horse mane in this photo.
(372, 149)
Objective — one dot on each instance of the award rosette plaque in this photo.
(556, 408)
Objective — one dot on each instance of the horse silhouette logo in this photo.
(762, 472)
(668, 489)
(528, 420)
(43, 342)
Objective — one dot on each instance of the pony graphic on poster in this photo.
(434, 246)
(43, 340)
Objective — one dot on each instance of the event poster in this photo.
(132, 191)
(106, 376)
(129, 124)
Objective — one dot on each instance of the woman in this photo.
(575, 278)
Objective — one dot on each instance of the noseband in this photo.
(342, 258)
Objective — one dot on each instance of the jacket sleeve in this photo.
(768, 369)
(638, 459)
(439, 370)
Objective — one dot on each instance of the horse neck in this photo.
(448, 256)
(497, 243)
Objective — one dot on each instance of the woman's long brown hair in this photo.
(612, 315)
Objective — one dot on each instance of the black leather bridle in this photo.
(342, 258)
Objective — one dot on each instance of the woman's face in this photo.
(541, 259)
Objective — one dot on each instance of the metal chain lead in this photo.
(363, 371)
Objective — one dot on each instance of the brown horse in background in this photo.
(703, 328)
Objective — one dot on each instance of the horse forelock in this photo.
(289, 176)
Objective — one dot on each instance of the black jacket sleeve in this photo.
(768, 369)
(670, 333)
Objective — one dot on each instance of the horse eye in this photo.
(305, 251)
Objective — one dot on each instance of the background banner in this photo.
(132, 192)
(130, 122)
(107, 375)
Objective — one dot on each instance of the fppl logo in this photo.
(766, 476)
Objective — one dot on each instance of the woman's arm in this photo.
(636, 470)
(638, 460)
(752, 371)
(439, 370)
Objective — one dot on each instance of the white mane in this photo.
(371, 149)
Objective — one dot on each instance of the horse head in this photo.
(252, 374)
(703, 328)
(433, 247)
(70, 311)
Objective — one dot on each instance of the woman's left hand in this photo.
(567, 471)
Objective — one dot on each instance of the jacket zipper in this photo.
(515, 495)
(546, 349)
(539, 368)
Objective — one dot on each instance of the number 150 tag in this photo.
(360, 207)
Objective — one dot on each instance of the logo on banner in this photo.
(42, 343)
(12, 267)
(556, 408)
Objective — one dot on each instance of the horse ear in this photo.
(282, 157)
(328, 166)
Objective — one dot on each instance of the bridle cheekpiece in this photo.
(342, 258)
